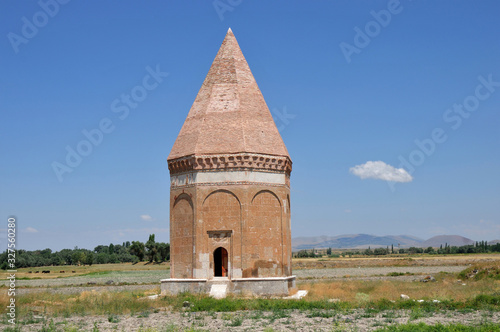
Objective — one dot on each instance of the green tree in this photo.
(164, 251)
(302, 254)
(151, 247)
(113, 258)
(100, 248)
(380, 251)
(102, 258)
(57, 260)
(78, 257)
(3, 259)
(89, 259)
(429, 250)
(66, 255)
(415, 250)
(137, 249)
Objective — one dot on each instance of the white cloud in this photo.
(381, 171)
(30, 230)
(146, 217)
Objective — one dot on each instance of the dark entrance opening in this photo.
(220, 262)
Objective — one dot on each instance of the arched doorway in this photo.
(220, 262)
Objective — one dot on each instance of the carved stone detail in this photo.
(231, 161)
(220, 236)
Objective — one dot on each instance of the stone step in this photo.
(218, 291)
(219, 280)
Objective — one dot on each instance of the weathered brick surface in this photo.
(181, 237)
(257, 216)
(230, 174)
(229, 114)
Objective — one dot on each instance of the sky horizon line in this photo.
(389, 111)
(296, 237)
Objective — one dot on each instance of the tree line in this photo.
(478, 247)
(127, 252)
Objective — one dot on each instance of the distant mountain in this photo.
(310, 240)
(494, 242)
(362, 241)
(451, 240)
(354, 241)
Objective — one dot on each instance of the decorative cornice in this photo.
(220, 184)
(243, 161)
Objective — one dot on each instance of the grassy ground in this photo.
(276, 320)
(67, 271)
(96, 278)
(105, 311)
(446, 287)
(395, 260)
(485, 295)
(421, 327)
(340, 305)
(298, 264)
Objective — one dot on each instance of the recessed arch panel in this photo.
(221, 210)
(264, 236)
(181, 237)
(269, 192)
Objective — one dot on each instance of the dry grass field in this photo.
(367, 299)
(394, 260)
(445, 288)
(298, 264)
(75, 270)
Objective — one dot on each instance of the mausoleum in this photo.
(229, 189)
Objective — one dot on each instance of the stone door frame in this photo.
(223, 239)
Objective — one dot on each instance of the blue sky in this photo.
(342, 98)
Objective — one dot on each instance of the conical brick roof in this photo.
(229, 114)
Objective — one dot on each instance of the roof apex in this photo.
(229, 114)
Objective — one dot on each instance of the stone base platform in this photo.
(272, 286)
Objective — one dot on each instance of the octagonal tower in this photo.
(230, 188)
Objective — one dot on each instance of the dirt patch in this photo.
(78, 290)
(408, 273)
(284, 320)
(451, 260)
(149, 280)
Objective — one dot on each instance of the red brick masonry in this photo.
(230, 181)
